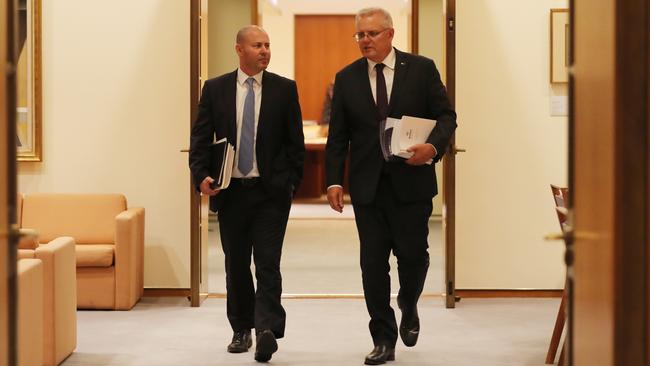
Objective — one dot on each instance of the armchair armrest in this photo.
(59, 298)
(129, 257)
(28, 239)
(30, 314)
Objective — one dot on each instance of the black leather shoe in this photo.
(241, 342)
(409, 326)
(266, 345)
(380, 354)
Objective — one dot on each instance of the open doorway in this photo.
(320, 255)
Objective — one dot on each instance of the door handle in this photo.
(570, 234)
(457, 150)
(554, 236)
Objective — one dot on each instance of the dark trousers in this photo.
(253, 222)
(387, 225)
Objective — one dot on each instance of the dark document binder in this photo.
(222, 157)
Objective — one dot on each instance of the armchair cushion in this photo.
(95, 255)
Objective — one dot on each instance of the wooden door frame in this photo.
(449, 161)
(8, 63)
(195, 295)
(631, 182)
(449, 164)
(195, 197)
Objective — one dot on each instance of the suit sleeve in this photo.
(441, 110)
(200, 139)
(338, 139)
(295, 138)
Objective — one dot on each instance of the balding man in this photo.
(258, 112)
(391, 199)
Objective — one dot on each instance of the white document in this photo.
(407, 132)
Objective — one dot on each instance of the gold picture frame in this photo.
(559, 42)
(28, 82)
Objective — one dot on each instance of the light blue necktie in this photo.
(245, 164)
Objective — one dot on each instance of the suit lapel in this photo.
(231, 108)
(264, 105)
(401, 67)
(364, 80)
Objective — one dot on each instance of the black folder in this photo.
(222, 156)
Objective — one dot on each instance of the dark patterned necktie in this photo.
(382, 96)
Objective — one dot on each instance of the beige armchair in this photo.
(59, 296)
(109, 243)
(30, 314)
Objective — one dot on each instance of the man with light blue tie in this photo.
(259, 113)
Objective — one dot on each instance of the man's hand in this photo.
(422, 153)
(205, 187)
(335, 198)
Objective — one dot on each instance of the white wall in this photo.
(116, 115)
(515, 149)
(278, 21)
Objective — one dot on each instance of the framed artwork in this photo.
(28, 82)
(559, 46)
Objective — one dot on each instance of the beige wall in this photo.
(116, 115)
(514, 147)
(279, 23)
(226, 17)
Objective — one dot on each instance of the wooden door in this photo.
(324, 45)
(609, 182)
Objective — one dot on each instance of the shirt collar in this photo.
(242, 77)
(389, 61)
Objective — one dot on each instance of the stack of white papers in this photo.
(397, 135)
(222, 156)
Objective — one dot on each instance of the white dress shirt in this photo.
(242, 90)
(389, 74)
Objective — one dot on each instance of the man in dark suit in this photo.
(258, 112)
(391, 200)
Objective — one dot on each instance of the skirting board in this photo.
(185, 292)
(166, 292)
(508, 293)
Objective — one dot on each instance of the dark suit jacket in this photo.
(418, 92)
(280, 145)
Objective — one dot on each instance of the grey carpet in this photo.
(166, 331)
(322, 257)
